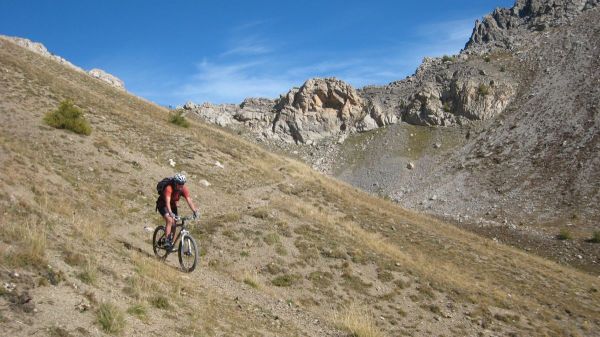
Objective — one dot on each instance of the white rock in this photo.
(204, 182)
(108, 78)
(148, 229)
(171, 162)
(410, 166)
(219, 165)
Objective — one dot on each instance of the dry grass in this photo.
(27, 244)
(89, 272)
(139, 310)
(251, 279)
(155, 275)
(357, 320)
(89, 230)
(110, 318)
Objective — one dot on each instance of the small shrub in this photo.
(88, 275)
(251, 281)
(280, 249)
(564, 234)
(260, 213)
(447, 58)
(320, 279)
(31, 248)
(231, 235)
(483, 90)
(74, 259)
(354, 282)
(271, 239)
(138, 310)
(110, 318)
(502, 69)
(385, 276)
(54, 277)
(160, 302)
(487, 59)
(57, 331)
(179, 119)
(595, 237)
(446, 107)
(358, 321)
(69, 117)
(284, 280)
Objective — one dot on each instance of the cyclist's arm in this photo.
(190, 203)
(168, 201)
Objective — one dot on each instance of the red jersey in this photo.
(174, 194)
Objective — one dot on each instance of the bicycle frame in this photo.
(182, 233)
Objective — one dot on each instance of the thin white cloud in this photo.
(231, 83)
(450, 31)
(247, 46)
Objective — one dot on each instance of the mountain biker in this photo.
(167, 205)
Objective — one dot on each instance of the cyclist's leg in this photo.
(168, 220)
(173, 228)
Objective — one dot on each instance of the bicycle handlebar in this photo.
(182, 219)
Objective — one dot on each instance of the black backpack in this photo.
(160, 187)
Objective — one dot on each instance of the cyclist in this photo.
(167, 205)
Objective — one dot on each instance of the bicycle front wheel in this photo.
(188, 254)
(158, 242)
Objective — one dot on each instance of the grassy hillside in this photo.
(285, 251)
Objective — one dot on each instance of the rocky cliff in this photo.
(509, 28)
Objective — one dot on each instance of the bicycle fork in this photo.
(185, 244)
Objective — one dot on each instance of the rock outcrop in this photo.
(40, 49)
(327, 108)
(444, 92)
(320, 108)
(500, 29)
(108, 78)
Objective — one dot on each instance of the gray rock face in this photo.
(444, 93)
(499, 29)
(221, 115)
(320, 108)
(108, 78)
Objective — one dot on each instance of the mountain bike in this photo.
(187, 250)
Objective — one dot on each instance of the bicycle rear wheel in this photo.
(158, 239)
(188, 254)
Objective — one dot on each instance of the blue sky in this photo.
(223, 51)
